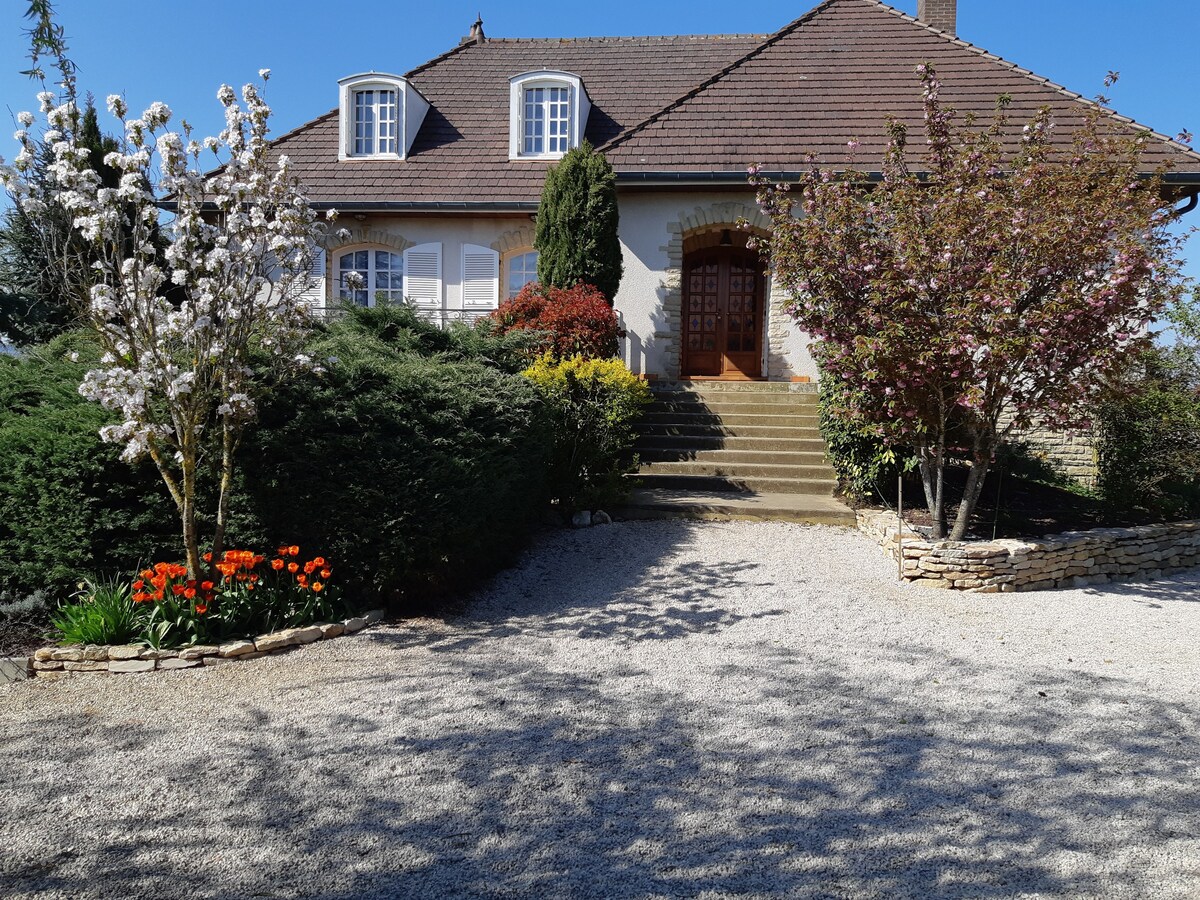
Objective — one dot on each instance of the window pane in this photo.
(382, 273)
(522, 269)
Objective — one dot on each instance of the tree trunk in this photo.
(979, 468)
(191, 537)
(227, 450)
(933, 480)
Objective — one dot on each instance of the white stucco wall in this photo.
(653, 225)
(650, 222)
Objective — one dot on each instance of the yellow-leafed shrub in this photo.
(595, 404)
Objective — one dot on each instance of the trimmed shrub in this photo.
(411, 462)
(865, 466)
(567, 322)
(595, 404)
(418, 474)
(1148, 439)
(69, 507)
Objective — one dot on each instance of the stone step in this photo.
(788, 420)
(806, 509)
(821, 487)
(736, 470)
(733, 457)
(725, 408)
(725, 429)
(733, 399)
(735, 387)
(685, 442)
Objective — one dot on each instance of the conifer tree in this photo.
(577, 224)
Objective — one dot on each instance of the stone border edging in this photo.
(53, 663)
(1069, 560)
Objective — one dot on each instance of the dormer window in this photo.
(548, 114)
(376, 115)
(380, 116)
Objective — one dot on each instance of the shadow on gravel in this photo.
(635, 596)
(488, 778)
(1174, 588)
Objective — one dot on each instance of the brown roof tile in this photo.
(837, 73)
(688, 104)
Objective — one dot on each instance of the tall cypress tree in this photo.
(577, 223)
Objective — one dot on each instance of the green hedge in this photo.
(1149, 440)
(420, 473)
(416, 462)
(68, 505)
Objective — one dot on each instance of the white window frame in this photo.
(371, 286)
(509, 259)
(411, 108)
(578, 106)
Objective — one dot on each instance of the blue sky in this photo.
(180, 53)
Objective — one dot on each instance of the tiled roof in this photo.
(691, 104)
(836, 74)
(461, 152)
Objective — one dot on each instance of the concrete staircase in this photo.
(735, 450)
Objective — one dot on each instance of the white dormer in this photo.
(548, 112)
(380, 116)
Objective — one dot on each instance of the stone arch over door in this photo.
(699, 227)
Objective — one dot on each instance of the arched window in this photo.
(522, 269)
(548, 114)
(382, 274)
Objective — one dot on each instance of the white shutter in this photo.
(481, 277)
(314, 292)
(423, 276)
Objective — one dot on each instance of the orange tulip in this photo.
(201, 609)
(309, 566)
(318, 587)
(293, 551)
(325, 573)
(190, 593)
(277, 564)
(283, 551)
(293, 568)
(319, 561)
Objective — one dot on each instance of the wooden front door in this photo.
(722, 313)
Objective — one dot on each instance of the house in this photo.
(437, 172)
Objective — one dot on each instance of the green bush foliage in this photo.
(1149, 439)
(68, 505)
(416, 467)
(417, 458)
(865, 466)
(578, 222)
(595, 403)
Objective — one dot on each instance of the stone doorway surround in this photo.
(701, 227)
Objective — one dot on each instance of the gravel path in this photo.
(644, 710)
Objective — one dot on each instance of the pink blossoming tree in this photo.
(974, 291)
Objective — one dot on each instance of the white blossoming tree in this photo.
(197, 311)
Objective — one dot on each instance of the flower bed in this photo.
(1068, 560)
(62, 662)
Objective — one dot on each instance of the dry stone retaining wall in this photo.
(62, 662)
(1072, 559)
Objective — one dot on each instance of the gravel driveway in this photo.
(644, 710)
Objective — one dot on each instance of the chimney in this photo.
(476, 36)
(939, 14)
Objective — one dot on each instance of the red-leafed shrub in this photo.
(577, 321)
